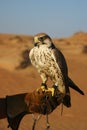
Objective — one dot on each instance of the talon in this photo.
(48, 90)
(43, 88)
(44, 85)
(52, 90)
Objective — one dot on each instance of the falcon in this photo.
(50, 62)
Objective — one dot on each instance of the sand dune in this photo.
(18, 76)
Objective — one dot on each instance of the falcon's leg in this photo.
(44, 80)
(60, 86)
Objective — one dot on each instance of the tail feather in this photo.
(74, 86)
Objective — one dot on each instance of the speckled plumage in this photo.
(44, 60)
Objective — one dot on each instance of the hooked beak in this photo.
(36, 41)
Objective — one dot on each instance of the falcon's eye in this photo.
(42, 38)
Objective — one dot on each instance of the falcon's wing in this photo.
(60, 61)
(64, 69)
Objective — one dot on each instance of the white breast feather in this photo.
(44, 60)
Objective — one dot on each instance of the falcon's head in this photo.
(43, 39)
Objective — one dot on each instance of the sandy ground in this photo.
(14, 78)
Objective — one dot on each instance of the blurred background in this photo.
(66, 23)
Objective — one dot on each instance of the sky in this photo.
(57, 18)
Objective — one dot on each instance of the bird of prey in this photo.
(50, 62)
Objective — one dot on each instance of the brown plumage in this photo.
(50, 62)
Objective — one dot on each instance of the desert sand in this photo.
(18, 76)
